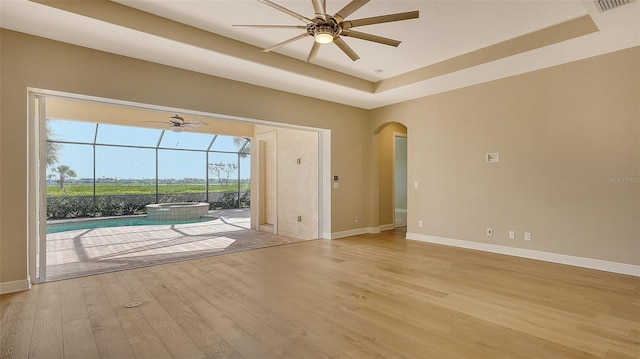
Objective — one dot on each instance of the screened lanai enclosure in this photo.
(102, 179)
(102, 170)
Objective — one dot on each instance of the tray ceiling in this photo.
(452, 45)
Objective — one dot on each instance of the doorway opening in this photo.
(268, 182)
(101, 147)
(392, 176)
(400, 180)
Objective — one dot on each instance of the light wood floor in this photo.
(371, 296)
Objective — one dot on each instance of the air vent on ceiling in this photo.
(606, 5)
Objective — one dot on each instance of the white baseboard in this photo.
(15, 286)
(387, 227)
(622, 268)
(355, 232)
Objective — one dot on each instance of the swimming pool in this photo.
(114, 222)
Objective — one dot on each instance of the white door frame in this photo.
(36, 189)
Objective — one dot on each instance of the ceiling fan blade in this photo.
(195, 123)
(346, 49)
(274, 26)
(314, 51)
(317, 7)
(370, 37)
(301, 36)
(349, 9)
(381, 19)
(286, 11)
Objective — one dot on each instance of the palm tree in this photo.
(240, 143)
(52, 147)
(62, 172)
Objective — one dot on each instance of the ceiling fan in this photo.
(177, 123)
(326, 29)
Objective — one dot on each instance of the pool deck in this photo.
(91, 251)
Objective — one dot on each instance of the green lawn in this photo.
(74, 189)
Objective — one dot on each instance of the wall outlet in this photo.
(512, 235)
(489, 231)
(493, 157)
(420, 224)
(357, 219)
(527, 236)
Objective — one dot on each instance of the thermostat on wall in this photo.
(493, 157)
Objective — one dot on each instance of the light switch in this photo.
(415, 184)
(335, 184)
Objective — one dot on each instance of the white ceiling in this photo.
(445, 29)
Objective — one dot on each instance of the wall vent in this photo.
(606, 5)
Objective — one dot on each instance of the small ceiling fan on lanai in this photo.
(325, 28)
(177, 123)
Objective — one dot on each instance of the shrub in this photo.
(59, 207)
(69, 206)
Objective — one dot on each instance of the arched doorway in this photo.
(392, 175)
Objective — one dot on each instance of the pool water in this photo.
(114, 222)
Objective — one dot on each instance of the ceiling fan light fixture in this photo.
(326, 29)
(324, 35)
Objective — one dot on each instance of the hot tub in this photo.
(179, 211)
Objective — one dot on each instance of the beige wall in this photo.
(563, 133)
(28, 61)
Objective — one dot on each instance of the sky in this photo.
(137, 163)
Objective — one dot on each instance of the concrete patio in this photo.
(84, 252)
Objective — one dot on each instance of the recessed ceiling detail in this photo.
(552, 35)
(453, 44)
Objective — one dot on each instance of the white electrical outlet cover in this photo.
(493, 157)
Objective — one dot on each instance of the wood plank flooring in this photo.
(370, 296)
